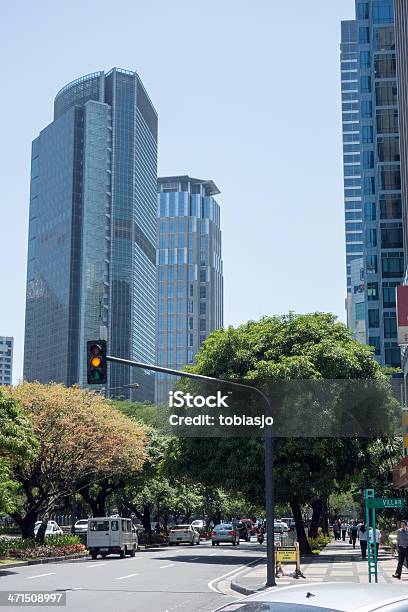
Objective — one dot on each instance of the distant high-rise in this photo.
(190, 275)
(92, 232)
(374, 109)
(351, 160)
(6, 360)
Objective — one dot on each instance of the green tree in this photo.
(278, 348)
(17, 445)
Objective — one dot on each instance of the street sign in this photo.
(286, 553)
(385, 502)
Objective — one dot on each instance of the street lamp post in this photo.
(269, 489)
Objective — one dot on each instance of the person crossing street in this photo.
(402, 544)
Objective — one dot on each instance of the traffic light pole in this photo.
(269, 489)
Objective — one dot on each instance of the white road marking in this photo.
(168, 565)
(234, 571)
(194, 558)
(40, 575)
(213, 555)
(96, 565)
(128, 576)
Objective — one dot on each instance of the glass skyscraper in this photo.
(377, 158)
(92, 232)
(351, 165)
(190, 274)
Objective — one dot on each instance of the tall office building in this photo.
(380, 182)
(190, 275)
(6, 360)
(352, 172)
(92, 232)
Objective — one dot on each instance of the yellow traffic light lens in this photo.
(96, 362)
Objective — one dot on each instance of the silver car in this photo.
(326, 597)
(225, 532)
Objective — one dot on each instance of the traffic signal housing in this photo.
(97, 365)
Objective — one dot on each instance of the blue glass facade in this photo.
(95, 169)
(380, 179)
(190, 274)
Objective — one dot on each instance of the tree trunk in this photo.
(304, 545)
(40, 537)
(317, 507)
(146, 520)
(324, 518)
(26, 523)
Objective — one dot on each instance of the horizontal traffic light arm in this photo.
(269, 489)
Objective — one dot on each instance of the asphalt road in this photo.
(183, 579)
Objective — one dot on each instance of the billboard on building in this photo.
(402, 314)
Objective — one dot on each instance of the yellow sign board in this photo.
(405, 427)
(286, 554)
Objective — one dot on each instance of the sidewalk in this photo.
(338, 562)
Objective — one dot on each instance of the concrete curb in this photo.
(239, 588)
(43, 561)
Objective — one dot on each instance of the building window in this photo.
(371, 237)
(390, 179)
(372, 291)
(360, 311)
(386, 94)
(367, 134)
(365, 84)
(369, 185)
(387, 121)
(385, 39)
(368, 160)
(390, 325)
(385, 67)
(371, 264)
(383, 11)
(366, 109)
(363, 35)
(365, 59)
(373, 317)
(392, 355)
(389, 297)
(390, 207)
(375, 342)
(388, 149)
(391, 236)
(369, 211)
(392, 265)
(362, 10)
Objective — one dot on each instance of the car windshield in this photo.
(223, 526)
(182, 527)
(82, 522)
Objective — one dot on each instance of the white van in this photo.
(108, 535)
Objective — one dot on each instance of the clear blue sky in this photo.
(248, 94)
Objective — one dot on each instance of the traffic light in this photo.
(97, 366)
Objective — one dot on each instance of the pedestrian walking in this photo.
(377, 539)
(336, 530)
(362, 536)
(353, 531)
(402, 545)
(344, 528)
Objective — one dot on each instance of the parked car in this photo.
(224, 533)
(183, 534)
(108, 535)
(327, 597)
(52, 528)
(81, 527)
(243, 530)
